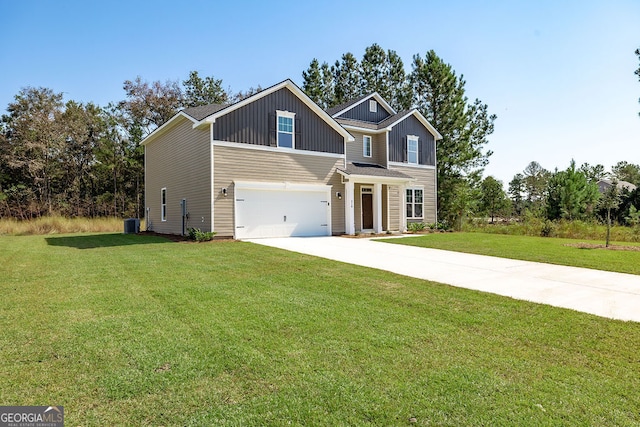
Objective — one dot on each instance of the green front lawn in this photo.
(136, 330)
(539, 249)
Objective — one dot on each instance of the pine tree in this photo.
(637, 72)
(571, 195)
(198, 91)
(516, 191)
(610, 200)
(440, 96)
(493, 198)
(346, 79)
(373, 65)
(399, 91)
(328, 86)
(312, 82)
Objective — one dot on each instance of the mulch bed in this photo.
(610, 248)
(183, 239)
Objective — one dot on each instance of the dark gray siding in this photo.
(398, 140)
(361, 112)
(252, 124)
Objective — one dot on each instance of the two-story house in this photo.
(275, 164)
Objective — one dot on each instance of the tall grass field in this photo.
(137, 330)
(61, 225)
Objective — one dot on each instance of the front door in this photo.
(367, 211)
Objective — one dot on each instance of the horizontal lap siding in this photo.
(394, 208)
(427, 178)
(251, 124)
(180, 161)
(237, 164)
(355, 149)
(380, 152)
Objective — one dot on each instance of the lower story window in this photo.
(163, 204)
(414, 201)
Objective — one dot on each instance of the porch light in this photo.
(339, 195)
(224, 191)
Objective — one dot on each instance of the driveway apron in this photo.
(606, 294)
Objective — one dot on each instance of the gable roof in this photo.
(372, 170)
(203, 111)
(341, 109)
(604, 184)
(389, 122)
(207, 114)
(211, 118)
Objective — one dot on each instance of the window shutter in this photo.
(404, 149)
(273, 140)
(297, 137)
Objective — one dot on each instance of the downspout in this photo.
(213, 193)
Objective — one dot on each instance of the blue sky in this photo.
(559, 74)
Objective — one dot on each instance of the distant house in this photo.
(605, 184)
(275, 164)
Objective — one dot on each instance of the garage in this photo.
(269, 209)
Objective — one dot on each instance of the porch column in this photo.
(403, 209)
(349, 220)
(377, 208)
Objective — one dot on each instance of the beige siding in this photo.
(355, 152)
(425, 177)
(357, 206)
(385, 207)
(380, 149)
(239, 164)
(394, 208)
(179, 160)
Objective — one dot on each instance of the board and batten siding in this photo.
(398, 140)
(180, 161)
(361, 112)
(238, 164)
(425, 177)
(254, 123)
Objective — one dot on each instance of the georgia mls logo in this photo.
(31, 416)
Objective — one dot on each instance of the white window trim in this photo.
(364, 146)
(416, 139)
(413, 188)
(292, 116)
(373, 106)
(163, 206)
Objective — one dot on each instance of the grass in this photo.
(576, 229)
(136, 330)
(61, 225)
(540, 249)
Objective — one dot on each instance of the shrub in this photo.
(548, 229)
(199, 235)
(416, 226)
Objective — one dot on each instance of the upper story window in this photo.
(412, 149)
(285, 129)
(163, 204)
(366, 146)
(373, 106)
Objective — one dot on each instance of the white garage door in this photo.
(281, 210)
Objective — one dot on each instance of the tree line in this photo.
(433, 87)
(80, 159)
(571, 194)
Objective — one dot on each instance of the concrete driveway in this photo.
(612, 295)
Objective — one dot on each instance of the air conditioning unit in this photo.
(131, 226)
